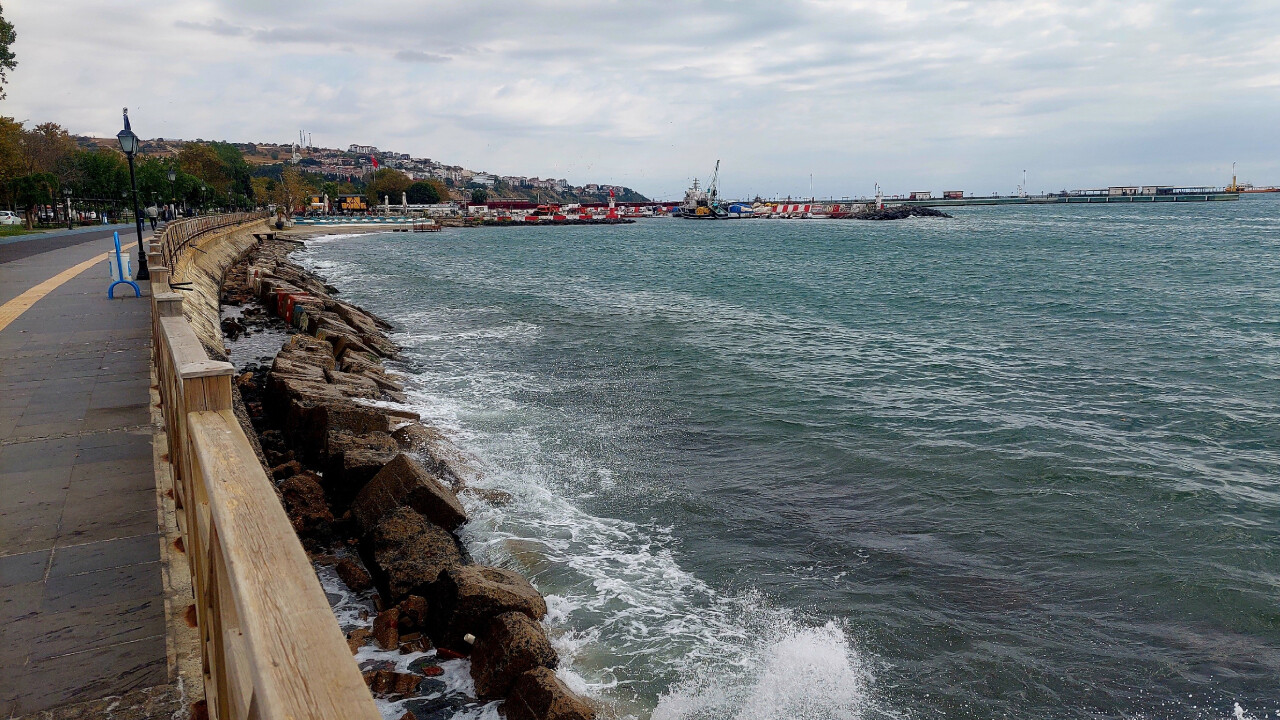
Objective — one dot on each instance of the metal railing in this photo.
(179, 234)
(270, 645)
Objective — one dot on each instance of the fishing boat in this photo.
(703, 204)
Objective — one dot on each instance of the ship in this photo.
(703, 204)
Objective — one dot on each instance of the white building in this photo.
(362, 149)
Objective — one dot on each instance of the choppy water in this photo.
(1021, 463)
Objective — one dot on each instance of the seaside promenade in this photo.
(82, 610)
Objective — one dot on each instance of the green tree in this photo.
(479, 196)
(386, 182)
(235, 166)
(8, 60)
(32, 191)
(423, 193)
(99, 174)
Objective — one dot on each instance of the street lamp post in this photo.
(173, 190)
(67, 192)
(129, 144)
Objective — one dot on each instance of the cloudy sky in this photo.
(912, 94)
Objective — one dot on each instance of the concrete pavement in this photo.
(82, 613)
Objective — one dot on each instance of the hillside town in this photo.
(357, 163)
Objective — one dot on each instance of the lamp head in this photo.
(172, 176)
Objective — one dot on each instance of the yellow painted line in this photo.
(15, 307)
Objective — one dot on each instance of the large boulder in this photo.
(351, 461)
(438, 454)
(512, 644)
(466, 598)
(405, 482)
(540, 695)
(309, 351)
(304, 503)
(407, 554)
(321, 420)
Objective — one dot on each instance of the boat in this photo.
(703, 204)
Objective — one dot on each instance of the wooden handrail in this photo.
(270, 645)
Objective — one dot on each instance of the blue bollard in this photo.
(137, 291)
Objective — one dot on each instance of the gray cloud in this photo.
(418, 56)
(912, 94)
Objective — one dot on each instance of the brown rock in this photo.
(512, 644)
(437, 453)
(466, 598)
(305, 350)
(540, 695)
(407, 554)
(389, 683)
(304, 503)
(386, 629)
(337, 377)
(286, 470)
(324, 419)
(405, 482)
(352, 461)
(353, 574)
(408, 715)
(413, 614)
(496, 498)
(356, 639)
(299, 366)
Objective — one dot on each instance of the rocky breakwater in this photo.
(897, 212)
(372, 491)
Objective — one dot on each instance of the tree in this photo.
(423, 193)
(33, 190)
(12, 165)
(479, 196)
(234, 166)
(203, 162)
(8, 60)
(386, 182)
(47, 148)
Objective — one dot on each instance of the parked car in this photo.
(7, 217)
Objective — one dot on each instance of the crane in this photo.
(711, 188)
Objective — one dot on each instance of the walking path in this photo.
(82, 612)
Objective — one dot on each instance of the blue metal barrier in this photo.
(137, 291)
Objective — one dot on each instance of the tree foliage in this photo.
(479, 196)
(8, 61)
(423, 193)
(386, 182)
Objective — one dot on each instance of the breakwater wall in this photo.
(267, 641)
(373, 495)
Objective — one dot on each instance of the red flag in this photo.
(375, 162)
(610, 192)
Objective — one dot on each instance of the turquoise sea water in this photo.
(1020, 463)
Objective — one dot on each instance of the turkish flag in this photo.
(375, 162)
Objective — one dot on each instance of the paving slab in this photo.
(81, 587)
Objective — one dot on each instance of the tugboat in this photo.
(703, 204)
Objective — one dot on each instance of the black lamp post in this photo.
(67, 192)
(173, 189)
(129, 144)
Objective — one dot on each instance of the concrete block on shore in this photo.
(466, 598)
(407, 554)
(540, 695)
(403, 481)
(512, 645)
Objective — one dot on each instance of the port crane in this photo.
(712, 192)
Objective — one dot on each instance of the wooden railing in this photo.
(270, 645)
(179, 233)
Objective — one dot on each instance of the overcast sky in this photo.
(913, 94)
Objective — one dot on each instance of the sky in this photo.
(837, 96)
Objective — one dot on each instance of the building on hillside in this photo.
(350, 203)
(362, 149)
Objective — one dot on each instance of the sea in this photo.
(1020, 463)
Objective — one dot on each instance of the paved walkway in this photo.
(81, 593)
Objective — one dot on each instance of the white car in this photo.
(7, 217)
